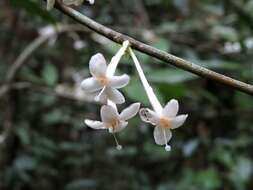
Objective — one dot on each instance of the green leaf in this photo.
(24, 163)
(33, 9)
(242, 170)
(170, 76)
(190, 147)
(135, 91)
(50, 74)
(80, 184)
(23, 135)
(208, 179)
(225, 32)
(162, 44)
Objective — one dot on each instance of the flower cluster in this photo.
(50, 3)
(103, 87)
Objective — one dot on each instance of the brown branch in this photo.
(159, 54)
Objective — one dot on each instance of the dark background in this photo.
(44, 142)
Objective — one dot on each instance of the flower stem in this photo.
(113, 65)
(149, 91)
(116, 58)
(118, 146)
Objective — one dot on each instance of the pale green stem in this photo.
(113, 65)
(149, 91)
(116, 58)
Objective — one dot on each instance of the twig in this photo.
(34, 46)
(159, 54)
(29, 50)
(24, 55)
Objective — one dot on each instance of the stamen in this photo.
(167, 147)
(98, 96)
(110, 130)
(165, 123)
(103, 80)
(118, 146)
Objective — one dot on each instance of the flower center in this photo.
(113, 124)
(165, 123)
(103, 80)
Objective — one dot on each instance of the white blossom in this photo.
(164, 122)
(165, 118)
(112, 120)
(102, 85)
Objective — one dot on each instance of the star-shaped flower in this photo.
(164, 121)
(112, 120)
(102, 85)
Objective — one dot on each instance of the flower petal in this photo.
(178, 121)
(121, 126)
(108, 113)
(161, 135)
(171, 109)
(130, 111)
(94, 124)
(119, 81)
(91, 85)
(97, 65)
(149, 116)
(115, 95)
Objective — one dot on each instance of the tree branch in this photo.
(159, 54)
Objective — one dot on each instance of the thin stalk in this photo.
(149, 91)
(113, 65)
(116, 58)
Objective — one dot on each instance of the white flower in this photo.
(112, 120)
(164, 122)
(103, 85)
(165, 118)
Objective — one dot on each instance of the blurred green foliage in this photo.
(47, 146)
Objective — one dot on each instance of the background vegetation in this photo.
(44, 142)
